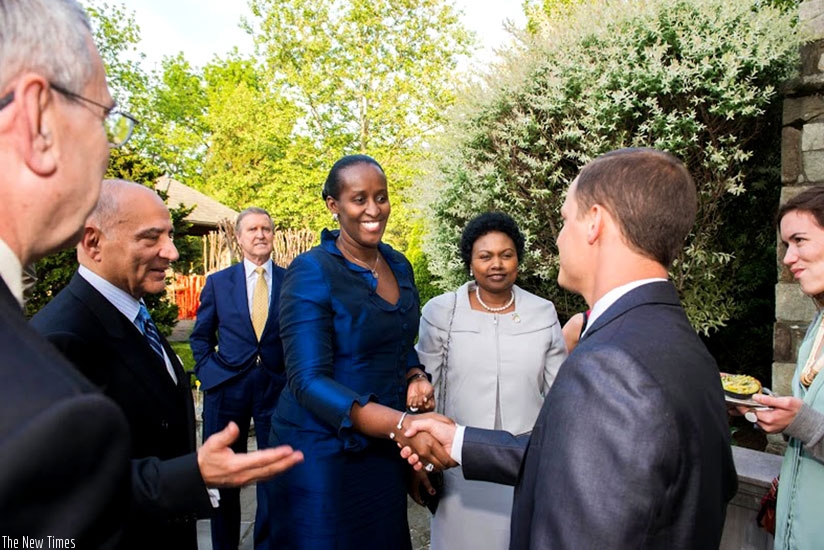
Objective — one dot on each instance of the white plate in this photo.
(749, 402)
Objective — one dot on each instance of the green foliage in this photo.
(52, 274)
(698, 78)
(366, 76)
(254, 156)
(184, 351)
(414, 253)
(540, 11)
(116, 35)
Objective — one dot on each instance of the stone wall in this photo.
(802, 165)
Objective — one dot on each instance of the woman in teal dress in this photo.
(348, 317)
(798, 522)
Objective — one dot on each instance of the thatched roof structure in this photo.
(207, 213)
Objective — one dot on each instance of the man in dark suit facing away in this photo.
(239, 359)
(100, 323)
(631, 449)
(64, 447)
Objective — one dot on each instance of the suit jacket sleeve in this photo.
(204, 334)
(160, 488)
(490, 455)
(605, 449)
(63, 473)
(307, 329)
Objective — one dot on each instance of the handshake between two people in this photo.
(425, 441)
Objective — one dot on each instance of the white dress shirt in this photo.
(11, 270)
(125, 303)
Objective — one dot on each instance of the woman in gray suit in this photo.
(493, 350)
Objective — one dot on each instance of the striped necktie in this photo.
(260, 302)
(149, 330)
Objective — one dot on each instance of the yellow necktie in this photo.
(260, 303)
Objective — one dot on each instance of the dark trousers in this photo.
(252, 394)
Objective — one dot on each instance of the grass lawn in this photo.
(185, 353)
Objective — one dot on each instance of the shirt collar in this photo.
(249, 267)
(125, 303)
(612, 296)
(11, 270)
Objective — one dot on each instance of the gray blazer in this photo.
(631, 448)
(497, 363)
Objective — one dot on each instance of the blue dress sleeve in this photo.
(308, 333)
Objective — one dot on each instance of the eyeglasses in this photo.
(119, 125)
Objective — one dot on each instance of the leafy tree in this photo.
(176, 136)
(698, 78)
(539, 12)
(117, 35)
(255, 157)
(368, 76)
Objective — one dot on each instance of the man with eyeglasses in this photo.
(64, 448)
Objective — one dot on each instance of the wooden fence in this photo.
(220, 250)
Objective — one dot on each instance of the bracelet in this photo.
(415, 377)
(400, 422)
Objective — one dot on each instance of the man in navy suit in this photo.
(99, 322)
(239, 359)
(64, 447)
(631, 448)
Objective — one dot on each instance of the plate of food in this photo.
(739, 389)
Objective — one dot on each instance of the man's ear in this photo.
(90, 242)
(38, 119)
(596, 218)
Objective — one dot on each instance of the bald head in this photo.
(114, 198)
(128, 238)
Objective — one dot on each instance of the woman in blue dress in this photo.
(348, 318)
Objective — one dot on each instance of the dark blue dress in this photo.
(343, 344)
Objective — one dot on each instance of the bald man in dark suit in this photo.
(101, 324)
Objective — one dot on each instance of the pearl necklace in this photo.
(494, 309)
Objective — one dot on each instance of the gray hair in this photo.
(251, 210)
(49, 37)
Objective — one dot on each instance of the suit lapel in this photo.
(8, 299)
(277, 276)
(127, 342)
(184, 389)
(240, 298)
(662, 292)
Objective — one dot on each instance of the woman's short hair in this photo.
(811, 200)
(487, 223)
(333, 181)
